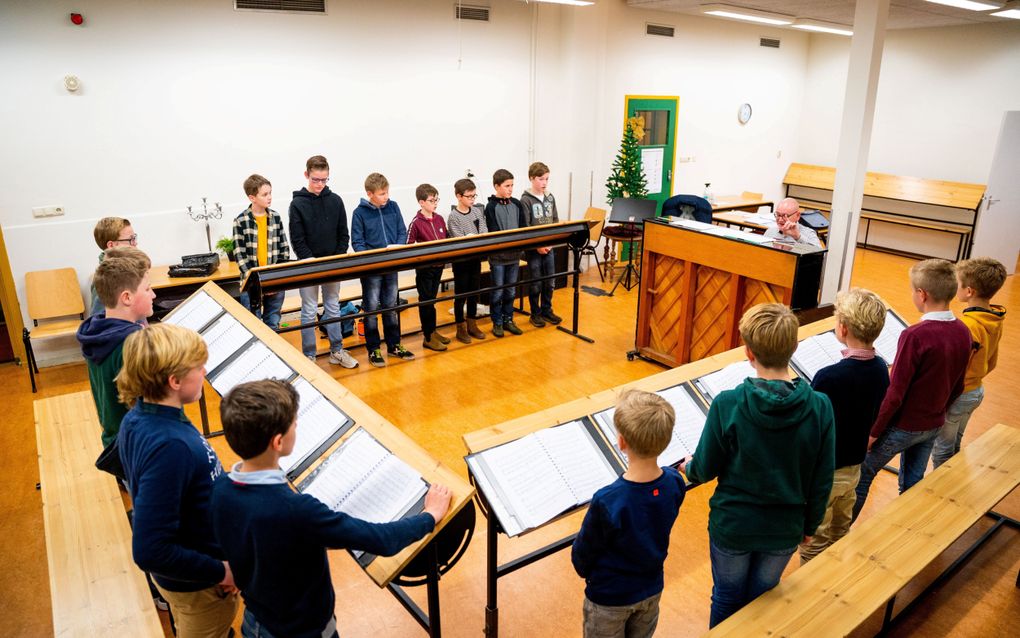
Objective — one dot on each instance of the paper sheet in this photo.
(888, 340)
(255, 363)
(726, 379)
(817, 352)
(651, 164)
(195, 313)
(223, 338)
(318, 419)
(690, 421)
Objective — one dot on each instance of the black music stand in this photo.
(630, 212)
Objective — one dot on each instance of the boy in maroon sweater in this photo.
(927, 376)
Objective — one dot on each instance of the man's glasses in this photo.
(318, 180)
(133, 240)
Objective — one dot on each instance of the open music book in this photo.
(320, 424)
(815, 353)
(728, 378)
(223, 337)
(195, 313)
(253, 363)
(531, 481)
(887, 342)
(690, 421)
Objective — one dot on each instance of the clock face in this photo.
(744, 113)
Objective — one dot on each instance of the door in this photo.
(998, 228)
(656, 120)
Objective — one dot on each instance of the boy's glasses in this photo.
(133, 240)
(432, 201)
(318, 180)
(475, 195)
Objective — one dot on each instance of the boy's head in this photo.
(503, 182)
(317, 173)
(466, 192)
(122, 282)
(259, 191)
(861, 313)
(538, 173)
(260, 414)
(769, 331)
(114, 231)
(933, 280)
(428, 197)
(979, 278)
(162, 360)
(645, 421)
(377, 187)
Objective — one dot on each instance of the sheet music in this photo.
(255, 363)
(888, 340)
(726, 379)
(578, 458)
(195, 313)
(223, 338)
(690, 421)
(817, 352)
(721, 231)
(317, 420)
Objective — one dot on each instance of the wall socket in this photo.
(48, 211)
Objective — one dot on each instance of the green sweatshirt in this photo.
(104, 392)
(771, 444)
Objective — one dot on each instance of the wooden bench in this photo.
(916, 203)
(855, 577)
(95, 587)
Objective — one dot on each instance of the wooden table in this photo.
(724, 203)
(170, 291)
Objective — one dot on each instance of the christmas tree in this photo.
(627, 178)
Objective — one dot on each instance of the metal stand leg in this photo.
(491, 577)
(203, 408)
(577, 301)
(432, 592)
(30, 356)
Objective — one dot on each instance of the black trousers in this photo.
(467, 276)
(426, 280)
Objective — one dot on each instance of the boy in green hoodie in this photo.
(122, 283)
(770, 442)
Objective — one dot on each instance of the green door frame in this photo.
(635, 103)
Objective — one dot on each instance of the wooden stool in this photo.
(618, 235)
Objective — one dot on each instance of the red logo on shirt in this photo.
(655, 492)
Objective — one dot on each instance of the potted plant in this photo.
(226, 245)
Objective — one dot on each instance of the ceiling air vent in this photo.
(469, 12)
(772, 43)
(293, 6)
(659, 29)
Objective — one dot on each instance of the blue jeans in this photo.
(738, 577)
(501, 305)
(268, 310)
(914, 449)
(251, 628)
(540, 293)
(330, 310)
(380, 291)
(947, 442)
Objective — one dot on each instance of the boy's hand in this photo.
(227, 585)
(807, 539)
(684, 463)
(437, 501)
(543, 251)
(871, 441)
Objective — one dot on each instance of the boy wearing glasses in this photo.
(318, 228)
(467, 218)
(787, 229)
(110, 232)
(428, 225)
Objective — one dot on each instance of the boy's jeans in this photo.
(268, 310)
(738, 577)
(540, 293)
(950, 435)
(501, 307)
(330, 310)
(380, 291)
(914, 449)
(250, 628)
(626, 621)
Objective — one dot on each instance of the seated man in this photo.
(787, 229)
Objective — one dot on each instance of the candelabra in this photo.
(205, 216)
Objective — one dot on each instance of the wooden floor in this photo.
(440, 396)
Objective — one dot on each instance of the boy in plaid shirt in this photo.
(260, 240)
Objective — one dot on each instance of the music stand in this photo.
(630, 212)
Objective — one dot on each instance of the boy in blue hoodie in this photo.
(378, 223)
(122, 285)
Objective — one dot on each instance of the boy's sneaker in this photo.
(343, 359)
(401, 352)
(497, 330)
(552, 317)
(512, 328)
(311, 357)
(375, 358)
(537, 321)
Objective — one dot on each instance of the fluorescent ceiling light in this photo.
(821, 27)
(750, 15)
(1012, 10)
(973, 5)
(575, 3)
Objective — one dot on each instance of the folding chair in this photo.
(54, 298)
(596, 217)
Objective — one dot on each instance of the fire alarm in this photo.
(77, 19)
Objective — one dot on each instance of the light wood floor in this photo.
(440, 396)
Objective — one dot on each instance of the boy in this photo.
(276, 539)
(428, 225)
(378, 223)
(170, 470)
(259, 240)
(927, 376)
(541, 209)
(466, 218)
(855, 387)
(122, 283)
(504, 212)
(318, 228)
(110, 232)
(978, 281)
(770, 444)
(788, 229)
(624, 538)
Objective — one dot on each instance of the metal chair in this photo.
(596, 218)
(54, 298)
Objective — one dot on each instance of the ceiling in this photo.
(903, 14)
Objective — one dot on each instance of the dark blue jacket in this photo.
(170, 470)
(699, 207)
(318, 224)
(373, 227)
(856, 389)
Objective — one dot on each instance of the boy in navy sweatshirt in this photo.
(504, 212)
(624, 538)
(170, 470)
(276, 539)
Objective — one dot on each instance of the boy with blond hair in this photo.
(276, 539)
(540, 207)
(110, 232)
(122, 286)
(978, 280)
(769, 442)
(170, 471)
(260, 240)
(927, 376)
(428, 225)
(855, 387)
(624, 539)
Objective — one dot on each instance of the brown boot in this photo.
(462, 333)
(434, 344)
(442, 339)
(472, 329)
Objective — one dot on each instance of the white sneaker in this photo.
(343, 359)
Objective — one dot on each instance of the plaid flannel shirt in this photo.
(246, 241)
